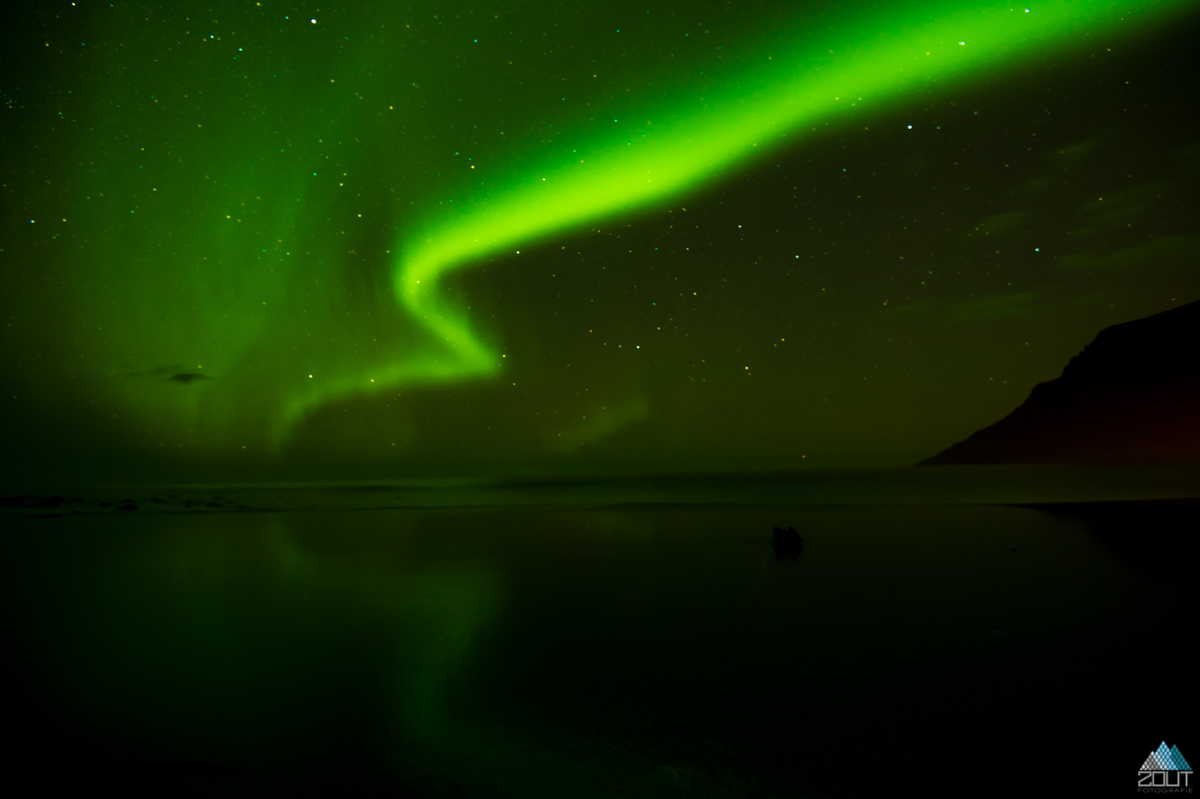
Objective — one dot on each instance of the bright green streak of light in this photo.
(649, 163)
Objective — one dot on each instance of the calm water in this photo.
(635, 650)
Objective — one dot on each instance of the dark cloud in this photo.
(173, 374)
(188, 378)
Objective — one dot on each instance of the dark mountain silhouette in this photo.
(1132, 395)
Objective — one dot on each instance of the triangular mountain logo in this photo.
(1164, 759)
(1180, 763)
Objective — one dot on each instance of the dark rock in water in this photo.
(787, 543)
(50, 502)
(15, 502)
(1132, 395)
(128, 506)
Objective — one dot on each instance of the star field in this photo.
(464, 238)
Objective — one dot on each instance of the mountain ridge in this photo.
(1131, 395)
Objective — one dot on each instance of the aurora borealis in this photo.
(400, 397)
(457, 238)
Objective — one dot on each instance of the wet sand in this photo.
(631, 648)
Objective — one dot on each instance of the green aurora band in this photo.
(186, 282)
(653, 161)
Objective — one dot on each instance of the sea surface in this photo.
(946, 631)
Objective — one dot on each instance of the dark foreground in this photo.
(579, 651)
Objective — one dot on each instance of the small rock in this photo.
(787, 543)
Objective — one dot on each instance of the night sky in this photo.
(319, 240)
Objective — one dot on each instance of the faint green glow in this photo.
(648, 162)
